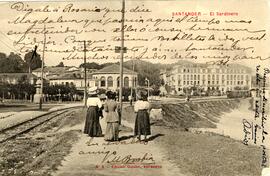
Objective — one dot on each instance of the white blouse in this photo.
(94, 101)
(140, 105)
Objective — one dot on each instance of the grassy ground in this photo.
(208, 154)
(201, 154)
(42, 150)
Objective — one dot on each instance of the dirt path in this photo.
(89, 157)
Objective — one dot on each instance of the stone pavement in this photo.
(8, 119)
(87, 155)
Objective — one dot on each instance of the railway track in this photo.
(26, 126)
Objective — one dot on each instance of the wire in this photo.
(10, 47)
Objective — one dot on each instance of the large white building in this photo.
(189, 75)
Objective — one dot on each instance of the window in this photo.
(102, 81)
(110, 81)
(118, 81)
(126, 82)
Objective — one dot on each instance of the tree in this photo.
(61, 64)
(91, 65)
(32, 62)
(11, 64)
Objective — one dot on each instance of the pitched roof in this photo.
(114, 68)
(70, 76)
(54, 69)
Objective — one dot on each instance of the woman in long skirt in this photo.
(92, 126)
(112, 118)
(142, 122)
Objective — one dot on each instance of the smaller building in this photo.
(15, 78)
(51, 71)
(73, 79)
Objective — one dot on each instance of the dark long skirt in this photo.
(92, 126)
(142, 123)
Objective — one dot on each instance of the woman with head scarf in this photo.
(92, 126)
(112, 118)
(142, 122)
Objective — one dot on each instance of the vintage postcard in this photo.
(134, 88)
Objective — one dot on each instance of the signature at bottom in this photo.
(113, 157)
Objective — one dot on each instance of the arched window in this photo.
(110, 81)
(118, 81)
(126, 82)
(102, 81)
(135, 81)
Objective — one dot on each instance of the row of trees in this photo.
(26, 91)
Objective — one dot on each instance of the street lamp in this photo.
(147, 80)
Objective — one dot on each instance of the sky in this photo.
(258, 12)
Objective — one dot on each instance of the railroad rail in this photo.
(26, 126)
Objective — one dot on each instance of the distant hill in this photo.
(147, 70)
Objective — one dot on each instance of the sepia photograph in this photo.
(134, 88)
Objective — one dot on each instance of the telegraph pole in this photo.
(85, 75)
(133, 81)
(122, 50)
(42, 69)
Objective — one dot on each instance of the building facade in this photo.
(205, 77)
(15, 78)
(106, 78)
(109, 78)
(73, 79)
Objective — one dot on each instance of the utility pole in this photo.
(85, 75)
(42, 69)
(121, 59)
(133, 81)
